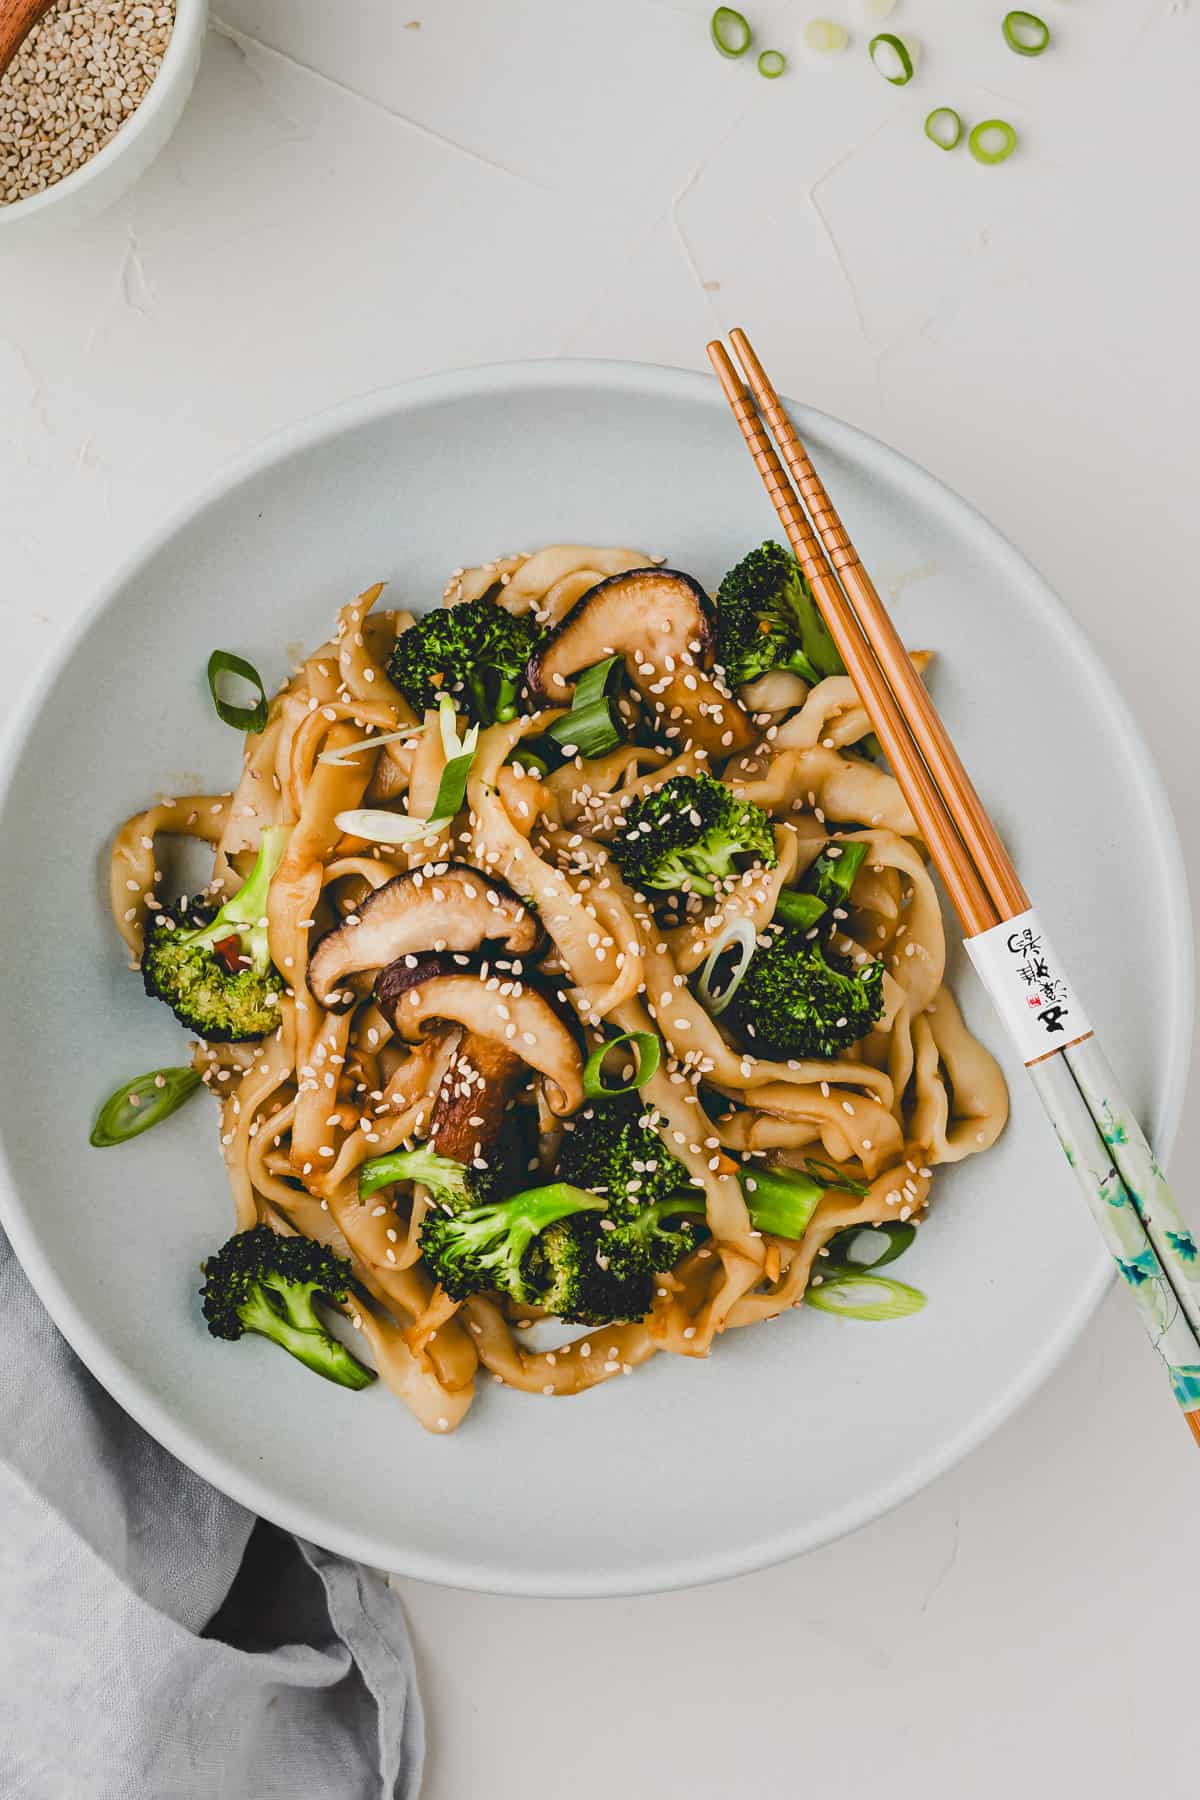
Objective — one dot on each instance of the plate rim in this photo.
(124, 1383)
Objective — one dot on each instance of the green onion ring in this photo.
(771, 64)
(887, 51)
(738, 931)
(992, 141)
(864, 1297)
(944, 128)
(649, 1056)
(731, 31)
(140, 1104)
(242, 718)
(1025, 33)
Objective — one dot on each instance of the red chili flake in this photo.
(228, 952)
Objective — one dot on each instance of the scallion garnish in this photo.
(830, 1176)
(870, 1246)
(772, 63)
(379, 827)
(800, 910)
(823, 34)
(943, 127)
(649, 1056)
(242, 718)
(992, 141)
(716, 996)
(140, 1104)
(375, 826)
(781, 1201)
(864, 1297)
(590, 728)
(731, 31)
(527, 761)
(345, 757)
(452, 788)
(891, 57)
(1025, 33)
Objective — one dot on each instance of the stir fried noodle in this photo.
(442, 985)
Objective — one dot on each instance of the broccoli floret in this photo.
(825, 889)
(213, 968)
(614, 1150)
(262, 1282)
(453, 1186)
(832, 875)
(577, 1281)
(475, 649)
(611, 1148)
(486, 1248)
(767, 619)
(647, 1238)
(686, 834)
(798, 999)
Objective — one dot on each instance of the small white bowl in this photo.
(106, 176)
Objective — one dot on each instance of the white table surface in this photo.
(351, 200)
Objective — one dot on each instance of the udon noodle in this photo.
(302, 1109)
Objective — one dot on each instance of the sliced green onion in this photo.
(379, 827)
(870, 1246)
(590, 729)
(141, 1103)
(780, 1201)
(531, 761)
(830, 1176)
(742, 933)
(731, 31)
(943, 127)
(823, 34)
(344, 758)
(992, 141)
(800, 910)
(1025, 33)
(772, 63)
(452, 788)
(879, 9)
(864, 1297)
(242, 718)
(649, 1056)
(891, 57)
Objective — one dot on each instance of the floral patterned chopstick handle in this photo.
(1150, 1278)
(1144, 1180)
(1126, 1190)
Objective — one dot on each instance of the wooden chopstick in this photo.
(1112, 1161)
(967, 810)
(934, 820)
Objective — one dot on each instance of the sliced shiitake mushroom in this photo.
(418, 989)
(457, 910)
(469, 1116)
(661, 622)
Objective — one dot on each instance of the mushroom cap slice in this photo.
(661, 622)
(419, 989)
(457, 910)
(469, 1113)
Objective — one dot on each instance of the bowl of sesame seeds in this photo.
(89, 100)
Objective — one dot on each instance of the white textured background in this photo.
(350, 201)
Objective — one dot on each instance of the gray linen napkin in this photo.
(156, 1641)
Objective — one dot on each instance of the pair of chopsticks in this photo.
(1127, 1193)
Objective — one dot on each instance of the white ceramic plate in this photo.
(789, 1434)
